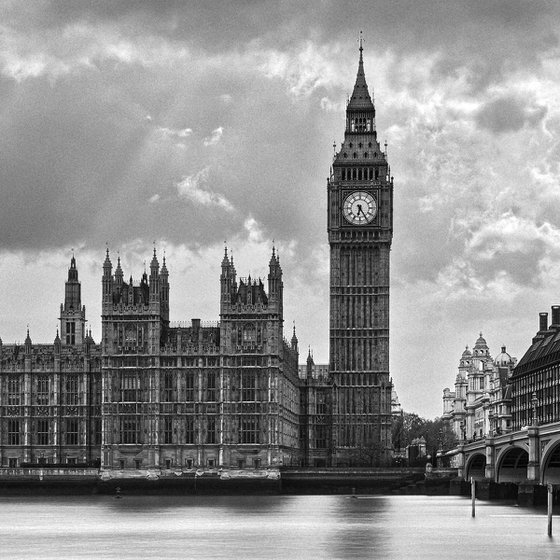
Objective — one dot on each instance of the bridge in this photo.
(530, 456)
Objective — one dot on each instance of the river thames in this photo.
(271, 527)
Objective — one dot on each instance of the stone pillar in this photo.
(461, 461)
(533, 468)
(490, 469)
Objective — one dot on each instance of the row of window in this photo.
(164, 361)
(359, 173)
(131, 391)
(249, 431)
(360, 124)
(70, 434)
(41, 393)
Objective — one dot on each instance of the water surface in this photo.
(271, 527)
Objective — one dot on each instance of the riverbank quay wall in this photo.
(211, 481)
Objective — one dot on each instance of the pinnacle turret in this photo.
(119, 270)
(27, 343)
(107, 265)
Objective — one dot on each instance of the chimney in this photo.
(543, 322)
(555, 316)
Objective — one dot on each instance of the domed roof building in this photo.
(480, 405)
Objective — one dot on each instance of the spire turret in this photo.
(275, 286)
(119, 272)
(164, 290)
(154, 278)
(72, 313)
(107, 265)
(27, 343)
(57, 343)
(360, 98)
(360, 111)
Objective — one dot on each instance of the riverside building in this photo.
(159, 395)
(480, 405)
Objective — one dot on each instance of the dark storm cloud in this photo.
(509, 113)
(98, 80)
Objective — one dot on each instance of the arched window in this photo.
(249, 333)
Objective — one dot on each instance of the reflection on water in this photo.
(271, 527)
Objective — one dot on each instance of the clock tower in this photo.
(360, 227)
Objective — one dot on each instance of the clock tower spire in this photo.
(360, 229)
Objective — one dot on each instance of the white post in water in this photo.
(549, 509)
(473, 494)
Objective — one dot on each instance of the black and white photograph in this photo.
(279, 279)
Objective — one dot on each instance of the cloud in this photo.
(509, 114)
(215, 137)
(175, 132)
(190, 187)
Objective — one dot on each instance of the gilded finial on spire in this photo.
(361, 39)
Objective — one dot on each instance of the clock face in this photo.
(359, 208)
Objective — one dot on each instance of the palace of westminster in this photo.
(154, 395)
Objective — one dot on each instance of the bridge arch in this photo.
(550, 462)
(511, 464)
(476, 466)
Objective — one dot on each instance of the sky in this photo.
(189, 124)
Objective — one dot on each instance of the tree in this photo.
(410, 426)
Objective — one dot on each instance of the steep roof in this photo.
(360, 99)
(543, 352)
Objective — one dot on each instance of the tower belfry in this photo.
(360, 229)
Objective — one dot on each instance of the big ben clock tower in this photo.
(360, 226)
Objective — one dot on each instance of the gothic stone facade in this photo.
(50, 394)
(153, 395)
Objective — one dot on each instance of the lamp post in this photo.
(534, 403)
